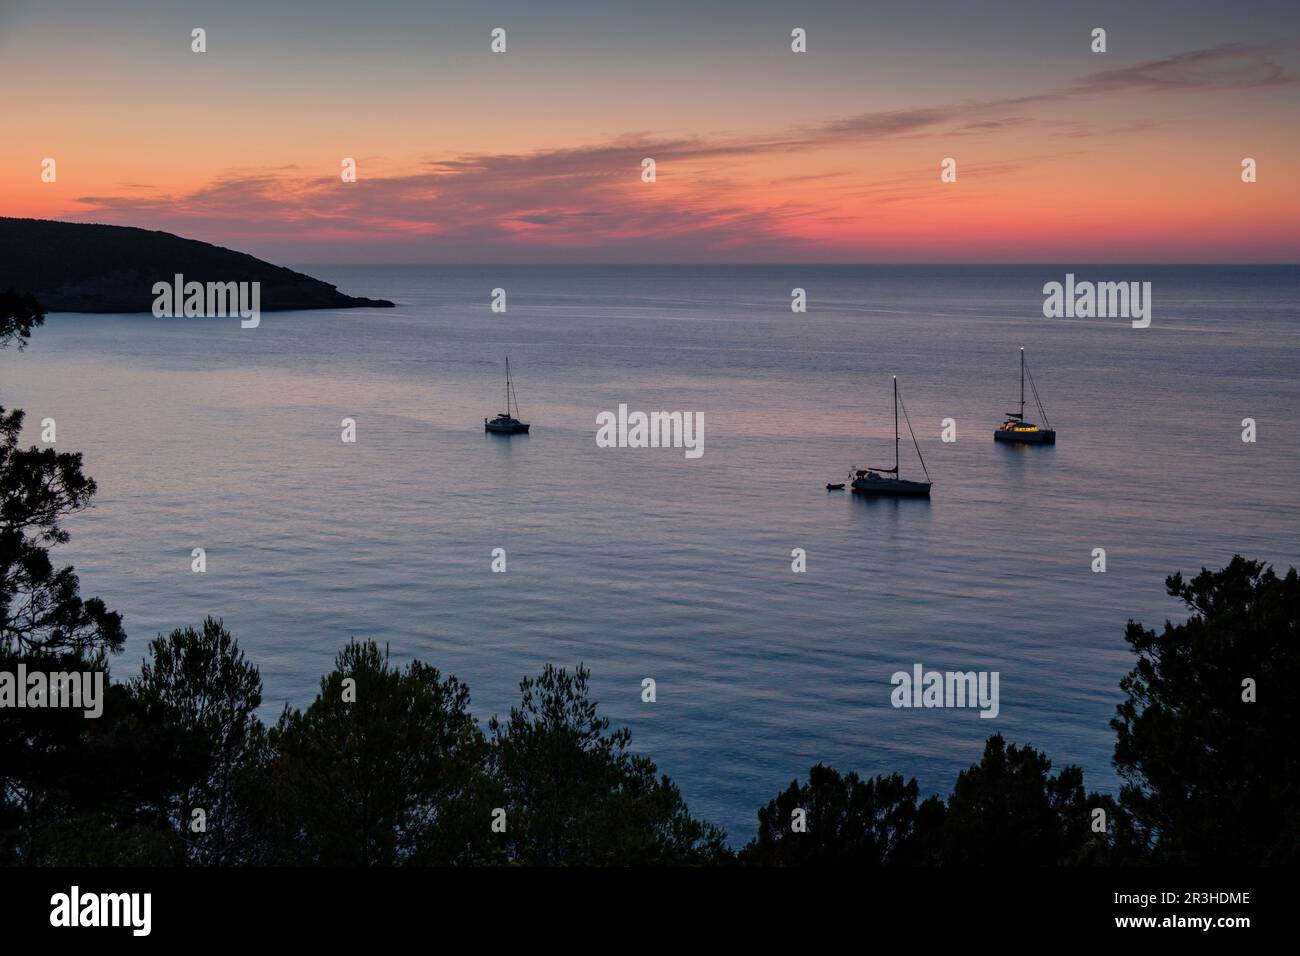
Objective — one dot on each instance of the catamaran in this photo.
(876, 481)
(1015, 428)
(507, 422)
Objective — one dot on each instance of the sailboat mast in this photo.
(508, 385)
(1022, 383)
(896, 474)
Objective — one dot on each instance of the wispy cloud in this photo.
(712, 194)
(1231, 66)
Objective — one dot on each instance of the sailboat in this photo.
(507, 422)
(1015, 429)
(877, 481)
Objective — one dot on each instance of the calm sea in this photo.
(642, 563)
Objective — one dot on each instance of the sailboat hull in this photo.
(505, 423)
(892, 487)
(506, 428)
(1044, 436)
(879, 484)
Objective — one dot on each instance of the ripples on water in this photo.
(641, 563)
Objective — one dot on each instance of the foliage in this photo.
(849, 821)
(19, 314)
(392, 774)
(198, 697)
(1211, 777)
(575, 792)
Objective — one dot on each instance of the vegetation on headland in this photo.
(93, 267)
(387, 766)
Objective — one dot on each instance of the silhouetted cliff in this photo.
(78, 267)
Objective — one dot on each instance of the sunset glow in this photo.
(762, 154)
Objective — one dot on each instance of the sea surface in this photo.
(644, 563)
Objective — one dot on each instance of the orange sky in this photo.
(762, 154)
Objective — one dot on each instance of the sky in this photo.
(761, 154)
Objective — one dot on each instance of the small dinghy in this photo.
(839, 487)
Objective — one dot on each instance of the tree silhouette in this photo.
(1210, 776)
(46, 753)
(849, 821)
(575, 795)
(19, 314)
(40, 607)
(199, 698)
(392, 776)
(1010, 810)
